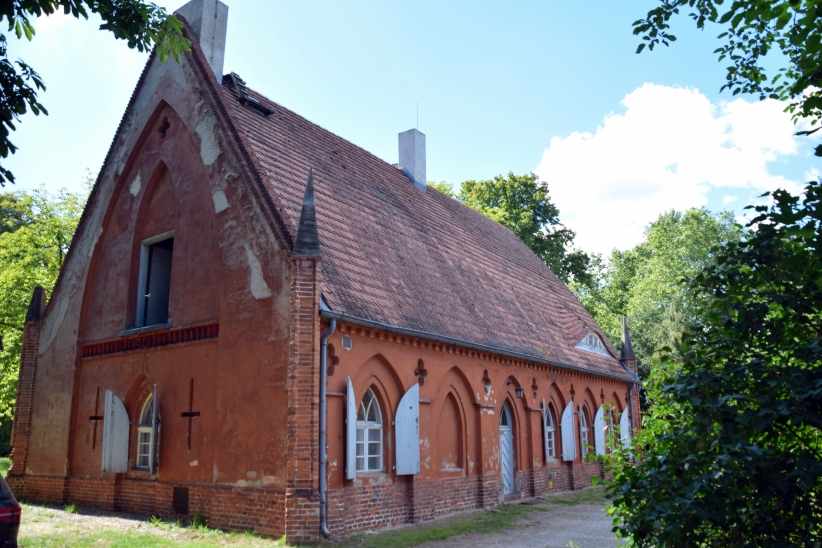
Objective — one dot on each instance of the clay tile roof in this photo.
(414, 259)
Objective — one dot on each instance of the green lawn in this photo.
(48, 526)
(5, 464)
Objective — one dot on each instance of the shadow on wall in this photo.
(5, 437)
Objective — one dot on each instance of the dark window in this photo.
(155, 280)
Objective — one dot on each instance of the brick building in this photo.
(246, 288)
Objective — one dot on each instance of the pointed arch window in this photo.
(584, 440)
(369, 434)
(550, 433)
(145, 435)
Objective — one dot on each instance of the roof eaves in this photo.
(533, 358)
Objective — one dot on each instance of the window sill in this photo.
(145, 329)
(140, 473)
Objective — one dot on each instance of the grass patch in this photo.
(119, 538)
(5, 464)
(50, 526)
(70, 509)
(487, 522)
(591, 495)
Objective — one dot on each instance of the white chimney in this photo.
(412, 156)
(208, 19)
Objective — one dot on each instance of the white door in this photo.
(506, 450)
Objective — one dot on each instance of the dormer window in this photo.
(592, 343)
(154, 281)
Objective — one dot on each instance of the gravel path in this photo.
(579, 526)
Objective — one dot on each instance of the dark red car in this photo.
(9, 515)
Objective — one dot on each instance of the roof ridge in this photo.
(322, 128)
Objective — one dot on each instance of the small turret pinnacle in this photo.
(308, 240)
(627, 352)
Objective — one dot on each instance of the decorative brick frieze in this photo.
(141, 341)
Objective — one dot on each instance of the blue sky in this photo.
(549, 87)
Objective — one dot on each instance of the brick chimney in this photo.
(412, 156)
(208, 20)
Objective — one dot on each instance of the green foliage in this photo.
(70, 509)
(443, 188)
(35, 232)
(731, 448)
(757, 36)
(645, 282)
(523, 204)
(138, 22)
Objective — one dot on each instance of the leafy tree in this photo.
(31, 252)
(443, 187)
(645, 282)
(731, 449)
(139, 22)
(523, 204)
(773, 48)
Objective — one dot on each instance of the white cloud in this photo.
(666, 150)
(812, 174)
(728, 199)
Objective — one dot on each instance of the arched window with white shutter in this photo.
(550, 433)
(145, 435)
(369, 434)
(584, 432)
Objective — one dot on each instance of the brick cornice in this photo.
(153, 339)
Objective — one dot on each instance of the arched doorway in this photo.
(506, 449)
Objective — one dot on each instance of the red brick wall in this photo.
(25, 395)
(302, 519)
(225, 507)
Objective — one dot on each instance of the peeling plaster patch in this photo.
(220, 201)
(214, 473)
(269, 480)
(209, 149)
(256, 281)
(136, 184)
(251, 475)
(194, 463)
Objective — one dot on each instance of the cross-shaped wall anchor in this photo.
(421, 372)
(95, 418)
(190, 414)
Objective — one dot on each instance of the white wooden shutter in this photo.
(599, 431)
(153, 455)
(569, 445)
(625, 429)
(350, 431)
(407, 432)
(115, 434)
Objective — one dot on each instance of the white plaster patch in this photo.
(136, 185)
(209, 149)
(194, 463)
(220, 201)
(256, 281)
